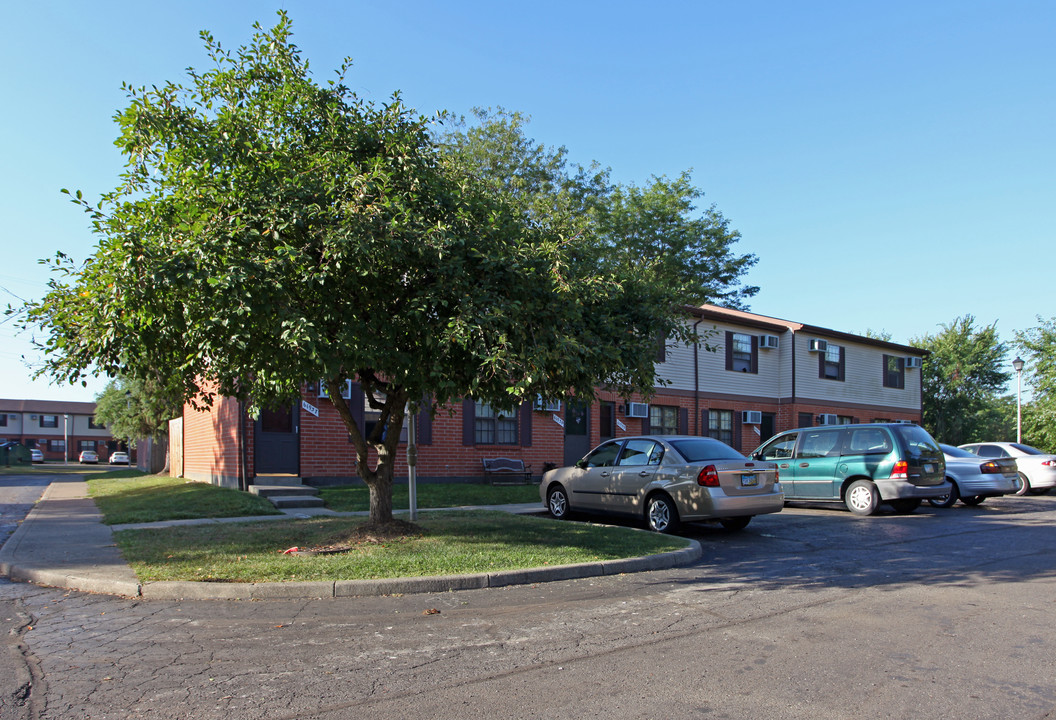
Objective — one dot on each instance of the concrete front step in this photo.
(296, 501)
(277, 479)
(270, 491)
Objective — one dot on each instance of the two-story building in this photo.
(751, 376)
(61, 430)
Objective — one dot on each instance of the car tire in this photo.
(733, 524)
(946, 500)
(862, 498)
(660, 514)
(557, 502)
(1024, 485)
(906, 506)
(972, 499)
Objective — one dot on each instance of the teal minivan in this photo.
(860, 465)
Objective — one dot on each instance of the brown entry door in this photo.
(276, 441)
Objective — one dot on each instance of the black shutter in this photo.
(843, 362)
(821, 364)
(683, 421)
(524, 428)
(704, 429)
(355, 407)
(755, 354)
(885, 382)
(469, 417)
(737, 431)
(729, 350)
(425, 427)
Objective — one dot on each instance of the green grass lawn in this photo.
(453, 542)
(129, 496)
(350, 498)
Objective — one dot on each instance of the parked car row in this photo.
(667, 479)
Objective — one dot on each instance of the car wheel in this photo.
(557, 502)
(862, 498)
(948, 500)
(735, 523)
(972, 499)
(660, 514)
(1024, 485)
(905, 507)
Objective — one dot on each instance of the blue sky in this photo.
(891, 163)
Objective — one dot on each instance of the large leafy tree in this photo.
(1037, 345)
(269, 230)
(964, 380)
(656, 228)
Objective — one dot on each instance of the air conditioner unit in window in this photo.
(828, 419)
(638, 410)
(817, 345)
(912, 362)
(12, 417)
(32, 417)
(546, 405)
(751, 417)
(768, 342)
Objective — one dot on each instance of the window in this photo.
(56, 446)
(806, 419)
(894, 371)
(604, 456)
(663, 420)
(372, 416)
(832, 362)
(49, 421)
(641, 452)
(869, 441)
(720, 425)
(83, 445)
(93, 425)
(780, 448)
(3, 419)
(742, 352)
(844, 420)
(494, 427)
(821, 444)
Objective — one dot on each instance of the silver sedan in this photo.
(973, 479)
(665, 480)
(1037, 470)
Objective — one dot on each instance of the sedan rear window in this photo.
(700, 449)
(1027, 449)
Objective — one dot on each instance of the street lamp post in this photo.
(66, 439)
(1017, 365)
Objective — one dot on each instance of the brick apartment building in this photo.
(61, 430)
(757, 376)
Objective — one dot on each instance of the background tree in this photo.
(1037, 347)
(656, 228)
(137, 409)
(963, 380)
(269, 231)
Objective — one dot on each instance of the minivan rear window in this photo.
(917, 440)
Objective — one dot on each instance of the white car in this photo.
(88, 457)
(1037, 470)
(36, 455)
(119, 458)
(973, 479)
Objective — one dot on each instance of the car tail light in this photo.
(1048, 463)
(990, 467)
(708, 476)
(900, 471)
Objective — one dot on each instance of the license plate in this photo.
(929, 468)
(749, 480)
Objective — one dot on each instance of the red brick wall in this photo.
(211, 443)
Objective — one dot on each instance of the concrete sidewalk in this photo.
(63, 543)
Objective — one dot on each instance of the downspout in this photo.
(242, 485)
(696, 378)
(794, 401)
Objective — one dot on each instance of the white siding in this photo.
(769, 382)
(863, 378)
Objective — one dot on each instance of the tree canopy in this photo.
(1037, 345)
(135, 409)
(964, 381)
(269, 230)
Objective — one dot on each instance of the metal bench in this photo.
(506, 471)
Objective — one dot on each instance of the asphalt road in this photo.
(811, 613)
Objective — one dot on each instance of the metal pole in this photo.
(66, 439)
(1019, 410)
(412, 460)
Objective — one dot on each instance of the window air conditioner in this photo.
(828, 419)
(913, 362)
(768, 342)
(751, 417)
(817, 345)
(32, 417)
(638, 410)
